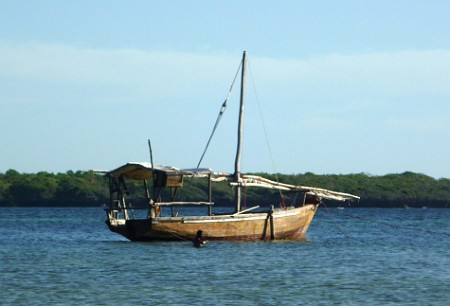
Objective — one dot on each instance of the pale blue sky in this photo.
(344, 86)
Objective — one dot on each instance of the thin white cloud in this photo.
(437, 124)
(158, 73)
(323, 86)
(344, 91)
(342, 101)
(391, 73)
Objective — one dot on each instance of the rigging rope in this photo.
(282, 203)
(222, 110)
(334, 223)
(178, 236)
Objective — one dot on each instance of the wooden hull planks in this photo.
(291, 223)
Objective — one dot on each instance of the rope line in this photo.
(219, 117)
(282, 202)
(179, 237)
(334, 223)
(263, 123)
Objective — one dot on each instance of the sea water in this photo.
(67, 256)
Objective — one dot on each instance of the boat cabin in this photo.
(161, 188)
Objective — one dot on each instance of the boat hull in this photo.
(291, 223)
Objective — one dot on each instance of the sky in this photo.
(333, 87)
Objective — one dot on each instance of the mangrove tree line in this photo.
(86, 188)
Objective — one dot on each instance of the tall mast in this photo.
(237, 163)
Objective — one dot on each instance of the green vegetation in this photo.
(47, 189)
(82, 189)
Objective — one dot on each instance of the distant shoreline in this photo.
(88, 189)
(328, 204)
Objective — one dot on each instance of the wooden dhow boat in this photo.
(161, 218)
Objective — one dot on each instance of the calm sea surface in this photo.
(52, 256)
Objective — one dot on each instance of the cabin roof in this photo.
(145, 170)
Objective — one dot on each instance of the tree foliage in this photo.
(83, 188)
(48, 189)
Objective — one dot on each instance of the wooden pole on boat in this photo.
(272, 229)
(209, 194)
(237, 163)
(151, 162)
(147, 194)
(151, 153)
